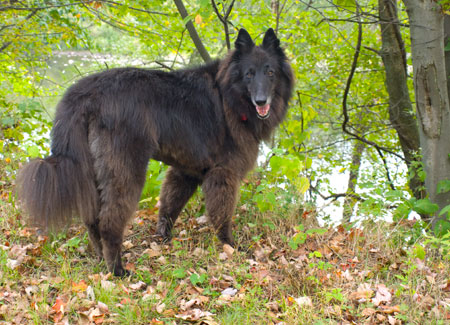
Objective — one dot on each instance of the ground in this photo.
(291, 273)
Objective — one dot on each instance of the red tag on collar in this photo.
(243, 117)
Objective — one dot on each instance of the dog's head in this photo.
(260, 68)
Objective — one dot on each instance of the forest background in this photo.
(346, 214)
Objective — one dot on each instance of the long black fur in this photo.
(205, 122)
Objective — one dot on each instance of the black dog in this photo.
(205, 122)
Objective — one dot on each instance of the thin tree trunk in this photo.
(432, 100)
(401, 112)
(447, 53)
(350, 201)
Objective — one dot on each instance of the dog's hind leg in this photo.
(220, 188)
(120, 174)
(175, 192)
(119, 195)
(94, 236)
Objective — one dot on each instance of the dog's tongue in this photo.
(263, 110)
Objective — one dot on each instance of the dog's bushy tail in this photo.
(54, 189)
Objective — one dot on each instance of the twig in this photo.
(347, 89)
(224, 20)
(178, 49)
(192, 31)
(388, 175)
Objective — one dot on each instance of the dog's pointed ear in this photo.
(270, 41)
(244, 42)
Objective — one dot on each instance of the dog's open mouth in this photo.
(263, 111)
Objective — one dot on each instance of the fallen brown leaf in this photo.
(390, 309)
(194, 315)
(383, 295)
(228, 250)
(79, 287)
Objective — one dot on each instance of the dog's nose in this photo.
(261, 101)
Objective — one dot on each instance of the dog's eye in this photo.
(270, 73)
(249, 74)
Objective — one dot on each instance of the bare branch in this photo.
(117, 4)
(347, 90)
(4, 46)
(117, 23)
(336, 196)
(109, 2)
(178, 50)
(224, 20)
(193, 32)
(42, 8)
(388, 175)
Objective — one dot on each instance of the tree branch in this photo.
(336, 196)
(192, 32)
(388, 175)
(224, 20)
(4, 46)
(113, 3)
(42, 8)
(347, 90)
(117, 4)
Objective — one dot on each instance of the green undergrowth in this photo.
(289, 271)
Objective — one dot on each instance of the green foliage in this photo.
(28, 38)
(419, 252)
(406, 206)
(335, 295)
(301, 236)
(442, 227)
(424, 206)
(442, 243)
(198, 279)
(309, 146)
(155, 175)
(179, 273)
(443, 186)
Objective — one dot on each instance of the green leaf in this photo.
(425, 206)
(445, 210)
(73, 242)
(204, 3)
(319, 231)
(419, 252)
(346, 3)
(443, 186)
(297, 239)
(442, 228)
(33, 151)
(187, 19)
(179, 273)
(198, 279)
(315, 254)
(302, 184)
(402, 211)
(447, 47)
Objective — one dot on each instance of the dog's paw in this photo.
(121, 272)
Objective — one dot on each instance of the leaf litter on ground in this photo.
(336, 274)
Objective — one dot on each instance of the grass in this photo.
(381, 273)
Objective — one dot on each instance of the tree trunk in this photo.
(432, 100)
(401, 112)
(447, 52)
(350, 201)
